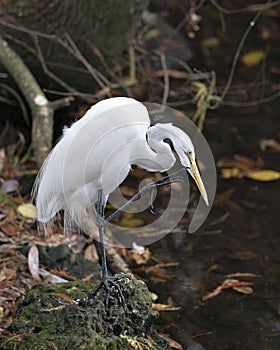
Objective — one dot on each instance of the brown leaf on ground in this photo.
(8, 229)
(65, 298)
(91, 253)
(27, 210)
(64, 274)
(33, 262)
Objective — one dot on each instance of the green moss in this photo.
(48, 320)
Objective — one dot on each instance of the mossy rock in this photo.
(52, 319)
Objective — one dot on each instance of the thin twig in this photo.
(46, 69)
(250, 8)
(101, 80)
(238, 51)
(166, 79)
(132, 68)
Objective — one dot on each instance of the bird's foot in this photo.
(150, 187)
(108, 282)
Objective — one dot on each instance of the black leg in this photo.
(150, 187)
(106, 280)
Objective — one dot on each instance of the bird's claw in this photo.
(151, 188)
(107, 282)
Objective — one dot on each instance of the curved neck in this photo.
(155, 155)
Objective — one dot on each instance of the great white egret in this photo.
(95, 155)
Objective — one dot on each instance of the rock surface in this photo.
(52, 318)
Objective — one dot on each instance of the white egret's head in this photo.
(184, 148)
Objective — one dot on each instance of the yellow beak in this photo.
(194, 172)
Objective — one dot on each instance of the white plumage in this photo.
(97, 152)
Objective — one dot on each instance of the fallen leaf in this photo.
(91, 253)
(33, 262)
(263, 175)
(242, 274)
(231, 172)
(234, 283)
(165, 307)
(62, 273)
(27, 210)
(2, 313)
(213, 294)
(50, 277)
(244, 290)
(2, 276)
(9, 273)
(9, 186)
(253, 58)
(172, 343)
(8, 229)
(271, 144)
(230, 283)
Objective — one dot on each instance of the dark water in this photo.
(241, 234)
(246, 241)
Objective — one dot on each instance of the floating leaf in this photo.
(263, 175)
(244, 290)
(230, 283)
(231, 172)
(165, 307)
(270, 144)
(253, 58)
(27, 210)
(241, 162)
